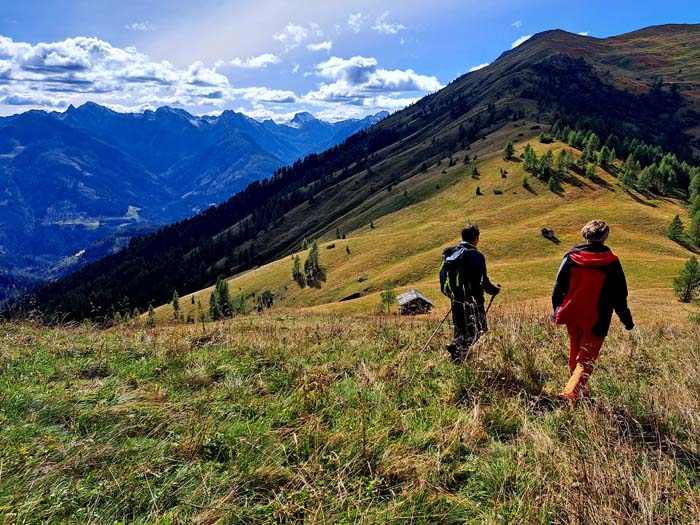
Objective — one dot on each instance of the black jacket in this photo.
(571, 288)
(473, 267)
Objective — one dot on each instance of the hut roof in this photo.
(412, 295)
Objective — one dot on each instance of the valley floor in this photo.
(313, 418)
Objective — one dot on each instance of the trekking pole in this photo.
(490, 303)
(436, 331)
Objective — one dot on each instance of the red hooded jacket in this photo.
(590, 284)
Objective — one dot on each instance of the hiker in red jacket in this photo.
(590, 284)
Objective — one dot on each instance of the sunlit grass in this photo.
(326, 419)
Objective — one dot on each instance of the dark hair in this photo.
(470, 233)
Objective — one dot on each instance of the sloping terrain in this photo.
(68, 180)
(317, 419)
(553, 76)
(404, 246)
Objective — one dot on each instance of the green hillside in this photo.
(317, 419)
(579, 81)
(405, 244)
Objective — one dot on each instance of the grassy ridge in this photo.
(419, 217)
(320, 419)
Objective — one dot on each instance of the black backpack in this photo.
(452, 283)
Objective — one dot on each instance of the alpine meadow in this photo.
(254, 364)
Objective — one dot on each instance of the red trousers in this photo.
(584, 350)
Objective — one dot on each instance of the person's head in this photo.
(595, 231)
(470, 233)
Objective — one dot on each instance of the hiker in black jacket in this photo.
(469, 316)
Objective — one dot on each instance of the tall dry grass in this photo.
(322, 419)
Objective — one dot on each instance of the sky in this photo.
(337, 59)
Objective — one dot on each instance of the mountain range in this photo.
(72, 179)
(641, 87)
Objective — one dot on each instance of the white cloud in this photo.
(263, 94)
(26, 98)
(358, 80)
(583, 33)
(517, 24)
(292, 36)
(80, 69)
(355, 21)
(480, 66)
(140, 26)
(258, 62)
(316, 29)
(356, 70)
(520, 40)
(321, 46)
(382, 26)
(279, 114)
(363, 71)
(296, 69)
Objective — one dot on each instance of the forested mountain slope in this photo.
(581, 83)
(76, 178)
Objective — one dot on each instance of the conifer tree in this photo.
(151, 319)
(675, 229)
(388, 297)
(200, 313)
(313, 270)
(176, 304)
(652, 176)
(590, 171)
(214, 311)
(562, 163)
(695, 229)
(645, 182)
(604, 157)
(508, 150)
(627, 180)
(297, 273)
(223, 298)
(687, 284)
(136, 316)
(544, 165)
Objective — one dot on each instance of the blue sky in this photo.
(270, 58)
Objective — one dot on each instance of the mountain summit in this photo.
(74, 178)
(642, 86)
(301, 119)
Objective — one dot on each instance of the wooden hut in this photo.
(413, 303)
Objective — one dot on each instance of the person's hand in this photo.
(498, 289)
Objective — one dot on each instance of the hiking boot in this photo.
(569, 401)
(453, 349)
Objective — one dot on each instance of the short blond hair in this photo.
(595, 231)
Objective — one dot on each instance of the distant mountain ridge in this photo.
(641, 86)
(68, 180)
